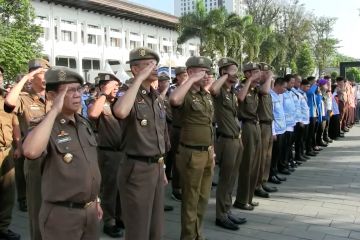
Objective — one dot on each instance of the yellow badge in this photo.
(62, 121)
(142, 52)
(62, 75)
(68, 157)
(144, 122)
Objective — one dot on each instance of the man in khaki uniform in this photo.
(110, 154)
(142, 173)
(66, 144)
(9, 134)
(31, 108)
(251, 135)
(181, 77)
(195, 158)
(266, 117)
(229, 146)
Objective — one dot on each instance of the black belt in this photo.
(199, 148)
(69, 204)
(108, 149)
(154, 159)
(266, 121)
(253, 121)
(228, 136)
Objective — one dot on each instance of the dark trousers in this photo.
(299, 140)
(277, 153)
(334, 126)
(320, 132)
(311, 139)
(287, 151)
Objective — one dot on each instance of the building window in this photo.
(66, 36)
(134, 44)
(115, 42)
(152, 46)
(91, 64)
(91, 39)
(65, 62)
(166, 49)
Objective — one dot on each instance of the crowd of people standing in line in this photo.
(81, 153)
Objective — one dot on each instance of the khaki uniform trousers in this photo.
(196, 169)
(250, 164)
(62, 223)
(141, 187)
(266, 152)
(109, 162)
(229, 155)
(7, 187)
(33, 195)
(20, 178)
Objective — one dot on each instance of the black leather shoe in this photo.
(120, 224)
(285, 172)
(269, 189)
(298, 163)
(23, 206)
(243, 206)
(323, 144)
(283, 179)
(236, 220)
(9, 235)
(311, 154)
(317, 149)
(168, 208)
(176, 195)
(328, 140)
(261, 193)
(227, 224)
(273, 179)
(301, 159)
(306, 157)
(291, 169)
(254, 204)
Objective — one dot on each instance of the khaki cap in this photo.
(180, 70)
(38, 63)
(250, 66)
(107, 77)
(143, 54)
(224, 62)
(265, 67)
(163, 78)
(61, 75)
(200, 62)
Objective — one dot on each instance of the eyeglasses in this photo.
(71, 91)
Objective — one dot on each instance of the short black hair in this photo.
(305, 82)
(279, 81)
(327, 77)
(288, 77)
(340, 78)
(311, 78)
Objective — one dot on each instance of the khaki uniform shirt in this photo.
(31, 109)
(197, 112)
(248, 108)
(226, 105)
(70, 163)
(109, 128)
(145, 129)
(6, 125)
(265, 109)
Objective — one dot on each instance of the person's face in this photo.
(72, 99)
(38, 82)
(325, 87)
(202, 82)
(232, 71)
(341, 84)
(297, 82)
(305, 88)
(182, 77)
(86, 89)
(162, 85)
(283, 87)
(291, 83)
(141, 64)
(256, 73)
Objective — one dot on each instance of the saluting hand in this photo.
(59, 100)
(109, 87)
(146, 72)
(196, 77)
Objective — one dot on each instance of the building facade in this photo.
(99, 34)
(183, 7)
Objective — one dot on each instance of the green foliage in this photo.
(353, 73)
(18, 36)
(334, 75)
(305, 61)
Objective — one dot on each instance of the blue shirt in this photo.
(296, 97)
(84, 97)
(335, 106)
(305, 111)
(279, 123)
(312, 100)
(290, 111)
(319, 105)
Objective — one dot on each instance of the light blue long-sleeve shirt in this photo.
(290, 110)
(312, 100)
(335, 106)
(305, 111)
(279, 123)
(296, 97)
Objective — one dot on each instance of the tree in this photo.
(18, 36)
(305, 61)
(353, 74)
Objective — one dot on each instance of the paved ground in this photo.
(320, 201)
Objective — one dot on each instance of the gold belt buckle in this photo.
(88, 204)
(161, 160)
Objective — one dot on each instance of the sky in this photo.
(346, 29)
